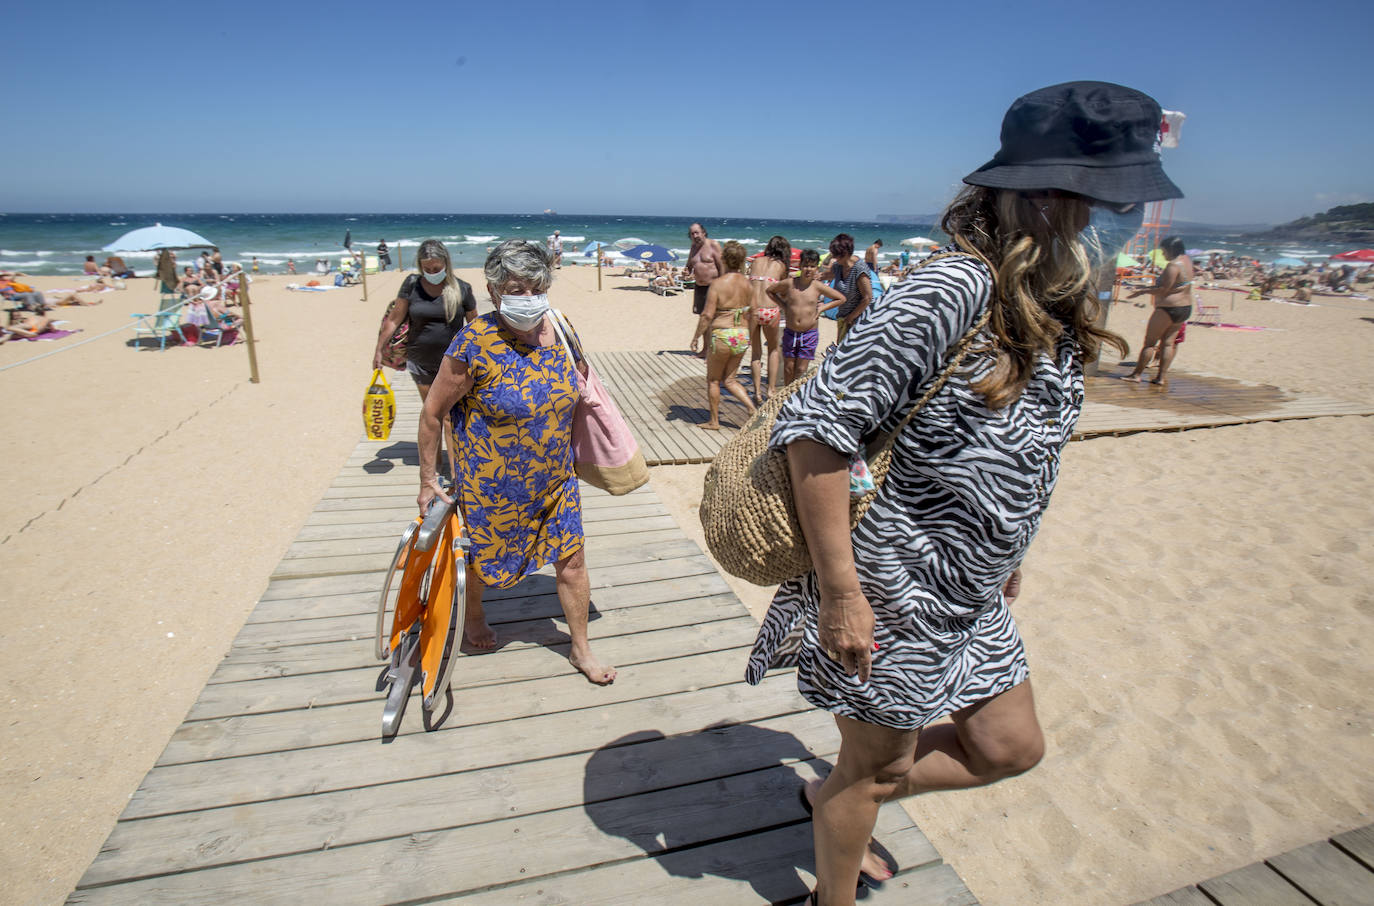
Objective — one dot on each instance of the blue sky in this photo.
(794, 109)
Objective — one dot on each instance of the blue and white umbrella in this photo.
(649, 253)
(157, 236)
(1288, 261)
(595, 245)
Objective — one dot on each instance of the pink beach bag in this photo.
(605, 453)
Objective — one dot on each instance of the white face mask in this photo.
(524, 312)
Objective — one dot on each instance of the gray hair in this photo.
(517, 259)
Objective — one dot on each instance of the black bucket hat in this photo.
(1092, 138)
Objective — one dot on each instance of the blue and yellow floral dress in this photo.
(512, 432)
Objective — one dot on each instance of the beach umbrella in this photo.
(1355, 255)
(917, 242)
(1124, 260)
(594, 246)
(1191, 252)
(1157, 257)
(1288, 262)
(649, 253)
(157, 236)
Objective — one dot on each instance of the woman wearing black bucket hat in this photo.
(904, 628)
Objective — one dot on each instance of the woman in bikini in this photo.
(728, 315)
(1173, 296)
(763, 273)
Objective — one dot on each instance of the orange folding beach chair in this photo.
(427, 621)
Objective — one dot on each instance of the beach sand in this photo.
(1196, 608)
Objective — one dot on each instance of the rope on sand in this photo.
(98, 336)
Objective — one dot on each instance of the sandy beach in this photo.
(1196, 608)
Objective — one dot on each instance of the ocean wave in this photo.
(574, 239)
(469, 240)
(741, 241)
(41, 253)
(681, 253)
(1303, 253)
(33, 263)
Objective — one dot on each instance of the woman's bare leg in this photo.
(772, 335)
(575, 595)
(994, 739)
(715, 370)
(1167, 351)
(756, 360)
(1154, 329)
(733, 385)
(475, 628)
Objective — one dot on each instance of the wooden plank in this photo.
(541, 630)
(308, 771)
(1184, 896)
(600, 577)
(769, 867)
(528, 602)
(1358, 844)
(644, 417)
(251, 733)
(169, 843)
(1257, 883)
(355, 682)
(474, 858)
(1326, 874)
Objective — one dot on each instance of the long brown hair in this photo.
(1043, 282)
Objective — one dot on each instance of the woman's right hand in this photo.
(845, 629)
(428, 492)
(376, 360)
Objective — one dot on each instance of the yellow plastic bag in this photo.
(379, 407)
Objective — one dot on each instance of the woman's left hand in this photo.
(845, 630)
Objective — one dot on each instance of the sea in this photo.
(59, 243)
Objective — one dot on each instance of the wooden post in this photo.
(248, 328)
(364, 270)
(598, 268)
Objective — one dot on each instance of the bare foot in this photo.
(593, 669)
(1133, 378)
(479, 635)
(873, 864)
(1163, 383)
(709, 426)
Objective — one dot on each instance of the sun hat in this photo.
(207, 294)
(1091, 138)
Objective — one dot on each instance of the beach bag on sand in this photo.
(605, 453)
(747, 509)
(379, 407)
(394, 352)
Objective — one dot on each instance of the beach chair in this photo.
(1206, 312)
(162, 323)
(666, 289)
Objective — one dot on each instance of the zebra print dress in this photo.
(962, 502)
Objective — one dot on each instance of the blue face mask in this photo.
(524, 312)
(436, 279)
(1108, 231)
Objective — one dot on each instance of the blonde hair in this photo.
(453, 293)
(1043, 281)
(732, 255)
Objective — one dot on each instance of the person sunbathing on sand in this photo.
(25, 325)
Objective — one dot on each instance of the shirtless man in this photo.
(871, 255)
(800, 297)
(704, 264)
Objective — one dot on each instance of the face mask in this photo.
(436, 279)
(524, 312)
(1108, 232)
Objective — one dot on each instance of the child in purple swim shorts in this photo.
(800, 297)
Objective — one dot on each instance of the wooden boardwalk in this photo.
(1334, 872)
(676, 784)
(663, 396)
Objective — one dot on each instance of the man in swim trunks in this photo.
(704, 264)
(871, 255)
(801, 297)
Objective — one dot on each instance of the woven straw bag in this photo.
(747, 509)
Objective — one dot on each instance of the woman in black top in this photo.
(436, 305)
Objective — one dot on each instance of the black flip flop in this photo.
(865, 880)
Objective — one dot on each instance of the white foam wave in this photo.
(572, 238)
(1303, 253)
(681, 253)
(33, 263)
(741, 241)
(472, 239)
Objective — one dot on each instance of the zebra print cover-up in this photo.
(960, 506)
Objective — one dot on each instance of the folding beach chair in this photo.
(1206, 312)
(163, 323)
(427, 621)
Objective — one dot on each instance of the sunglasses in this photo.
(1115, 207)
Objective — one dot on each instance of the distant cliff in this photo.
(1346, 223)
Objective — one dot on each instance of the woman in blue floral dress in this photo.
(508, 385)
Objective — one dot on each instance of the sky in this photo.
(772, 110)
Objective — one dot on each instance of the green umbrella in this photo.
(1124, 260)
(1158, 258)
